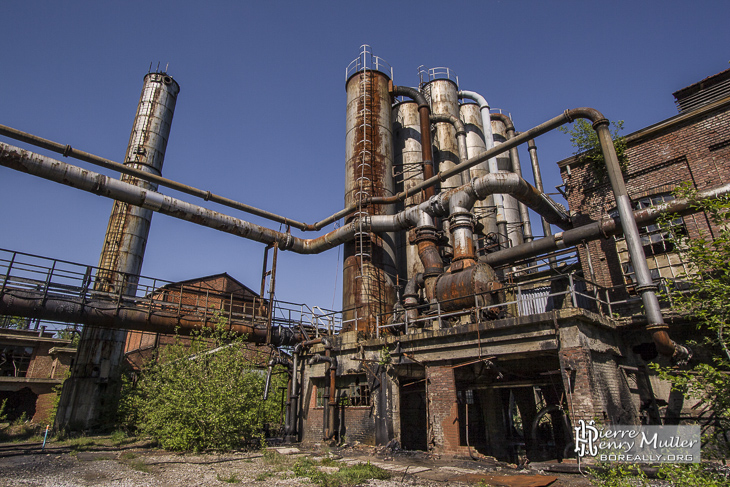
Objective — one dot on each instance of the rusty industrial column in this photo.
(368, 287)
(484, 210)
(90, 391)
(444, 96)
(408, 158)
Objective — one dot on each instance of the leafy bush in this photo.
(588, 149)
(201, 393)
(694, 475)
(708, 302)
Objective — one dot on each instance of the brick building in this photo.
(692, 147)
(32, 364)
(220, 294)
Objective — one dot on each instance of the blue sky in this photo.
(261, 112)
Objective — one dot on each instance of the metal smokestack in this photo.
(94, 380)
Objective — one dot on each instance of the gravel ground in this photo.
(136, 466)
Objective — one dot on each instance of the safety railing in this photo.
(43, 277)
(366, 60)
(526, 297)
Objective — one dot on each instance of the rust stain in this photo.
(508, 480)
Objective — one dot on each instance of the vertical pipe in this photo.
(537, 175)
(95, 376)
(492, 164)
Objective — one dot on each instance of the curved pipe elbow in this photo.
(668, 347)
(588, 113)
(417, 282)
(411, 93)
(473, 95)
(501, 117)
(448, 118)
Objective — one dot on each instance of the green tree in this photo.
(14, 322)
(588, 149)
(704, 294)
(200, 394)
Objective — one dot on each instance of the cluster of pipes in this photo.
(473, 180)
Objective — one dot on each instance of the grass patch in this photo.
(128, 455)
(264, 475)
(231, 479)
(278, 461)
(139, 466)
(347, 476)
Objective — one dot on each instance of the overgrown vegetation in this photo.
(346, 475)
(14, 322)
(588, 149)
(684, 474)
(201, 393)
(705, 296)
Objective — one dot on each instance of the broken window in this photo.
(663, 261)
(14, 360)
(351, 391)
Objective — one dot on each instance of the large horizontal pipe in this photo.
(105, 313)
(68, 151)
(596, 230)
(70, 175)
(543, 128)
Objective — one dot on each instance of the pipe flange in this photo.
(599, 122)
(647, 287)
(425, 234)
(654, 327)
(462, 219)
(288, 243)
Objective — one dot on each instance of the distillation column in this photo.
(511, 205)
(409, 163)
(444, 96)
(369, 272)
(484, 210)
(91, 390)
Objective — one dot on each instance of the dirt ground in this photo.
(93, 462)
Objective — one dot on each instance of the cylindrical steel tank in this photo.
(511, 205)
(94, 382)
(484, 210)
(456, 291)
(444, 96)
(408, 161)
(369, 271)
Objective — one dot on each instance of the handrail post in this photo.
(7, 274)
(572, 290)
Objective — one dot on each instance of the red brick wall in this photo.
(353, 423)
(443, 410)
(658, 163)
